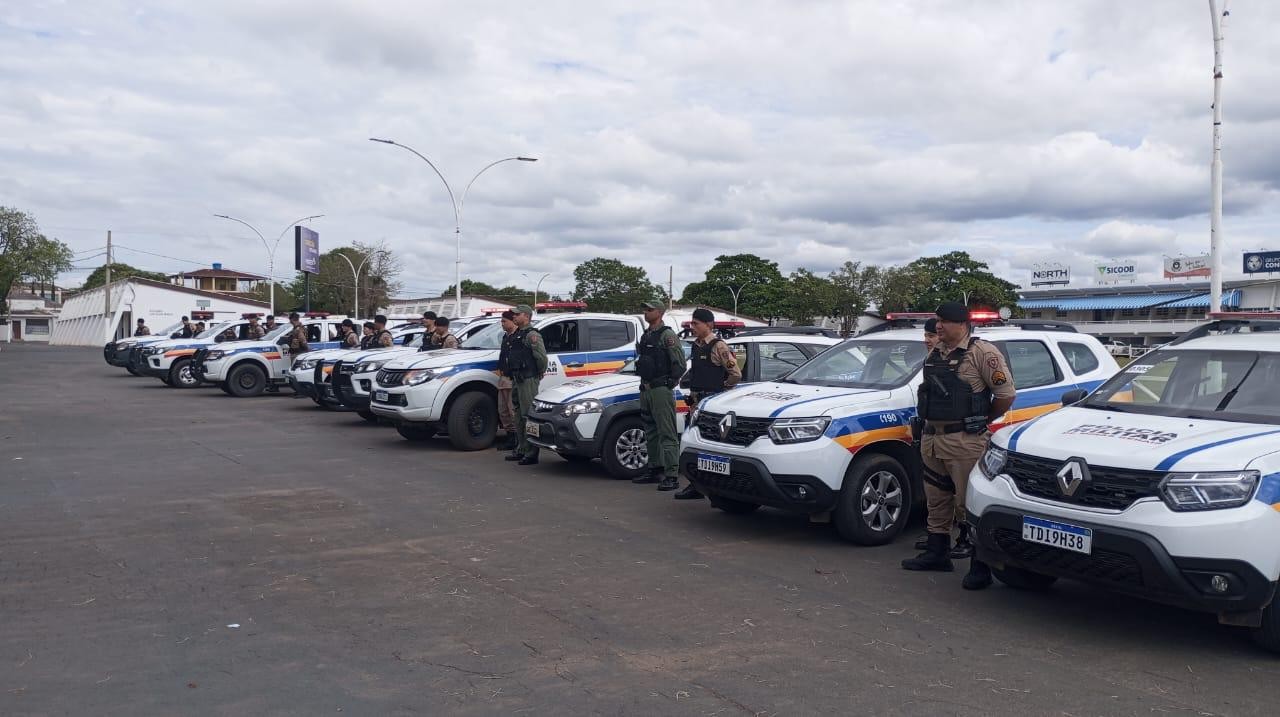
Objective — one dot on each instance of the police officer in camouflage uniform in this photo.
(712, 368)
(660, 364)
(254, 332)
(527, 362)
(967, 385)
(297, 337)
(381, 337)
(506, 406)
(349, 338)
(440, 338)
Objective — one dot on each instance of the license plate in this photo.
(381, 396)
(1058, 535)
(533, 429)
(713, 464)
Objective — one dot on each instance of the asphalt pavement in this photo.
(168, 551)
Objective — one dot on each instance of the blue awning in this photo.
(1102, 303)
(1230, 299)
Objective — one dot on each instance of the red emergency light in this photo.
(982, 316)
(719, 324)
(316, 314)
(561, 306)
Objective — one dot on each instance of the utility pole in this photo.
(671, 287)
(1215, 172)
(106, 294)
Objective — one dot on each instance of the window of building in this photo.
(37, 327)
(1079, 357)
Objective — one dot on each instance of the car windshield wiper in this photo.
(1107, 407)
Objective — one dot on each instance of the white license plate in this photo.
(1058, 535)
(713, 464)
(533, 429)
(380, 396)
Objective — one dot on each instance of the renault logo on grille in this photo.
(726, 424)
(1072, 474)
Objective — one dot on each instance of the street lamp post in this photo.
(355, 276)
(535, 289)
(736, 294)
(271, 250)
(457, 206)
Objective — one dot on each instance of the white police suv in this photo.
(170, 360)
(599, 416)
(1164, 483)
(246, 368)
(116, 352)
(833, 437)
(456, 389)
(310, 373)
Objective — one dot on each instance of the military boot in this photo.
(669, 483)
(653, 476)
(978, 577)
(934, 556)
(964, 546)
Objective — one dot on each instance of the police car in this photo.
(352, 376)
(599, 416)
(833, 438)
(116, 353)
(170, 360)
(310, 373)
(1163, 484)
(455, 390)
(245, 368)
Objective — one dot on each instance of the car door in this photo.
(608, 344)
(773, 359)
(565, 356)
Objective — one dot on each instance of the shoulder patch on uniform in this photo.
(669, 341)
(999, 379)
(993, 362)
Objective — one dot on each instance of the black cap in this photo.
(704, 315)
(509, 315)
(380, 319)
(931, 326)
(185, 319)
(348, 322)
(953, 311)
(294, 315)
(429, 315)
(368, 324)
(442, 321)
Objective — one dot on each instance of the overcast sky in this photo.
(807, 132)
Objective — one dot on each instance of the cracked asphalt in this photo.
(184, 552)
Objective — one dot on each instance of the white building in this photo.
(30, 317)
(227, 281)
(87, 319)
(445, 306)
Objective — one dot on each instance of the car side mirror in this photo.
(283, 340)
(1075, 395)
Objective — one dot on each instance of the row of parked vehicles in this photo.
(1161, 480)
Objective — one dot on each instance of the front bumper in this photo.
(116, 356)
(408, 404)
(1125, 561)
(352, 390)
(751, 481)
(565, 434)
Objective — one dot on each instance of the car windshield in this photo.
(414, 341)
(1239, 386)
(170, 330)
(277, 332)
(862, 363)
(215, 330)
(490, 337)
(629, 366)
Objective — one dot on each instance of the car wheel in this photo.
(473, 421)
(225, 388)
(624, 452)
(731, 506)
(369, 416)
(875, 502)
(1022, 579)
(415, 431)
(246, 380)
(180, 375)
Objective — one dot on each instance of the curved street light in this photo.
(736, 294)
(457, 206)
(271, 250)
(535, 289)
(355, 275)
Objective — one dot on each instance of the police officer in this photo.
(297, 337)
(930, 335)
(917, 424)
(381, 337)
(429, 321)
(254, 331)
(142, 329)
(349, 338)
(966, 386)
(271, 324)
(713, 368)
(527, 360)
(506, 409)
(187, 330)
(366, 334)
(440, 337)
(660, 364)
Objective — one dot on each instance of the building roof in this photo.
(218, 273)
(1164, 288)
(1183, 300)
(188, 290)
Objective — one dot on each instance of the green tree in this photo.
(610, 286)
(809, 297)
(119, 271)
(901, 288)
(760, 285)
(955, 276)
(25, 253)
(853, 288)
(333, 289)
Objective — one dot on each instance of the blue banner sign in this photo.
(306, 250)
(1261, 262)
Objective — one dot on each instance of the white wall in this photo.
(83, 323)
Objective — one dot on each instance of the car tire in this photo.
(1267, 635)
(180, 375)
(575, 457)
(246, 380)
(875, 502)
(1022, 579)
(415, 431)
(225, 388)
(369, 416)
(731, 506)
(473, 421)
(624, 452)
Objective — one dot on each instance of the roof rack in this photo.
(789, 330)
(1232, 322)
(1040, 325)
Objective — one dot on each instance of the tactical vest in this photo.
(704, 376)
(944, 396)
(520, 358)
(504, 353)
(652, 362)
(438, 340)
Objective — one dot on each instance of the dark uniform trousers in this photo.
(525, 390)
(658, 414)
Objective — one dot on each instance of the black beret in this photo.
(379, 319)
(704, 315)
(293, 316)
(953, 311)
(931, 326)
(442, 321)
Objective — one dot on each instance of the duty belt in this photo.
(936, 428)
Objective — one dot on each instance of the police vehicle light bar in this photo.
(316, 314)
(900, 315)
(561, 306)
(719, 324)
(251, 316)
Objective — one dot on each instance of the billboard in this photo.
(1182, 267)
(1050, 275)
(1114, 271)
(306, 250)
(1261, 262)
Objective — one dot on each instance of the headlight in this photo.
(151, 350)
(992, 462)
(419, 376)
(1208, 491)
(587, 405)
(305, 364)
(214, 355)
(367, 366)
(798, 430)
